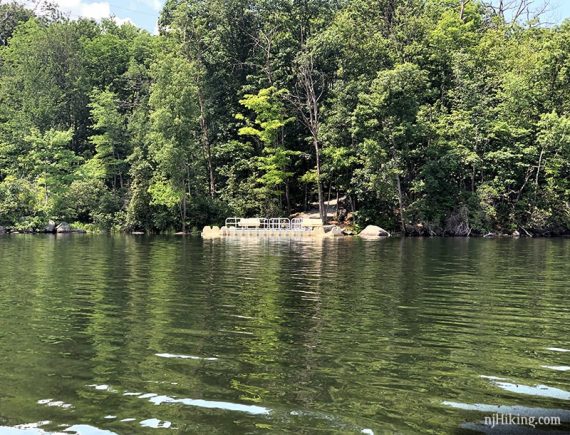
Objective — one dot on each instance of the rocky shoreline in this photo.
(51, 228)
(369, 232)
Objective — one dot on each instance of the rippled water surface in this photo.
(158, 334)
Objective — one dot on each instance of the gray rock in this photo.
(374, 231)
(2, 230)
(336, 232)
(50, 227)
(516, 234)
(63, 227)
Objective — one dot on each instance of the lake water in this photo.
(102, 334)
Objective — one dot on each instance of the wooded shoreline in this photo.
(349, 232)
(425, 117)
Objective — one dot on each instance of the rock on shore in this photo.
(336, 232)
(373, 231)
(50, 227)
(63, 227)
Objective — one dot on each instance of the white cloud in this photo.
(96, 10)
(156, 5)
(80, 8)
(120, 21)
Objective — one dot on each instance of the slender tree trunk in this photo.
(337, 209)
(184, 213)
(539, 165)
(287, 198)
(328, 201)
(528, 175)
(402, 221)
(319, 183)
(207, 146)
(462, 11)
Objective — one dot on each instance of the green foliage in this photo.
(425, 116)
(11, 15)
(111, 143)
(18, 200)
(272, 166)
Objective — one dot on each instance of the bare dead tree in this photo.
(263, 42)
(306, 98)
(513, 11)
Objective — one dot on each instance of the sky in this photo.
(144, 13)
(559, 10)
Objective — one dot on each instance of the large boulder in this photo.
(63, 227)
(211, 232)
(374, 231)
(50, 227)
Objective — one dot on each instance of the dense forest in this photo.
(423, 116)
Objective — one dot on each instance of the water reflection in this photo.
(258, 335)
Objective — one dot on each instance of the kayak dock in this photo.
(267, 227)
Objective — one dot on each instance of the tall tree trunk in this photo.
(328, 200)
(322, 212)
(184, 213)
(287, 198)
(207, 146)
(46, 194)
(402, 221)
(462, 11)
(538, 168)
(337, 209)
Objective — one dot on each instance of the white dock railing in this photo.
(267, 227)
(279, 224)
(272, 224)
(247, 223)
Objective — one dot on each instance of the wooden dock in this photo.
(268, 228)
